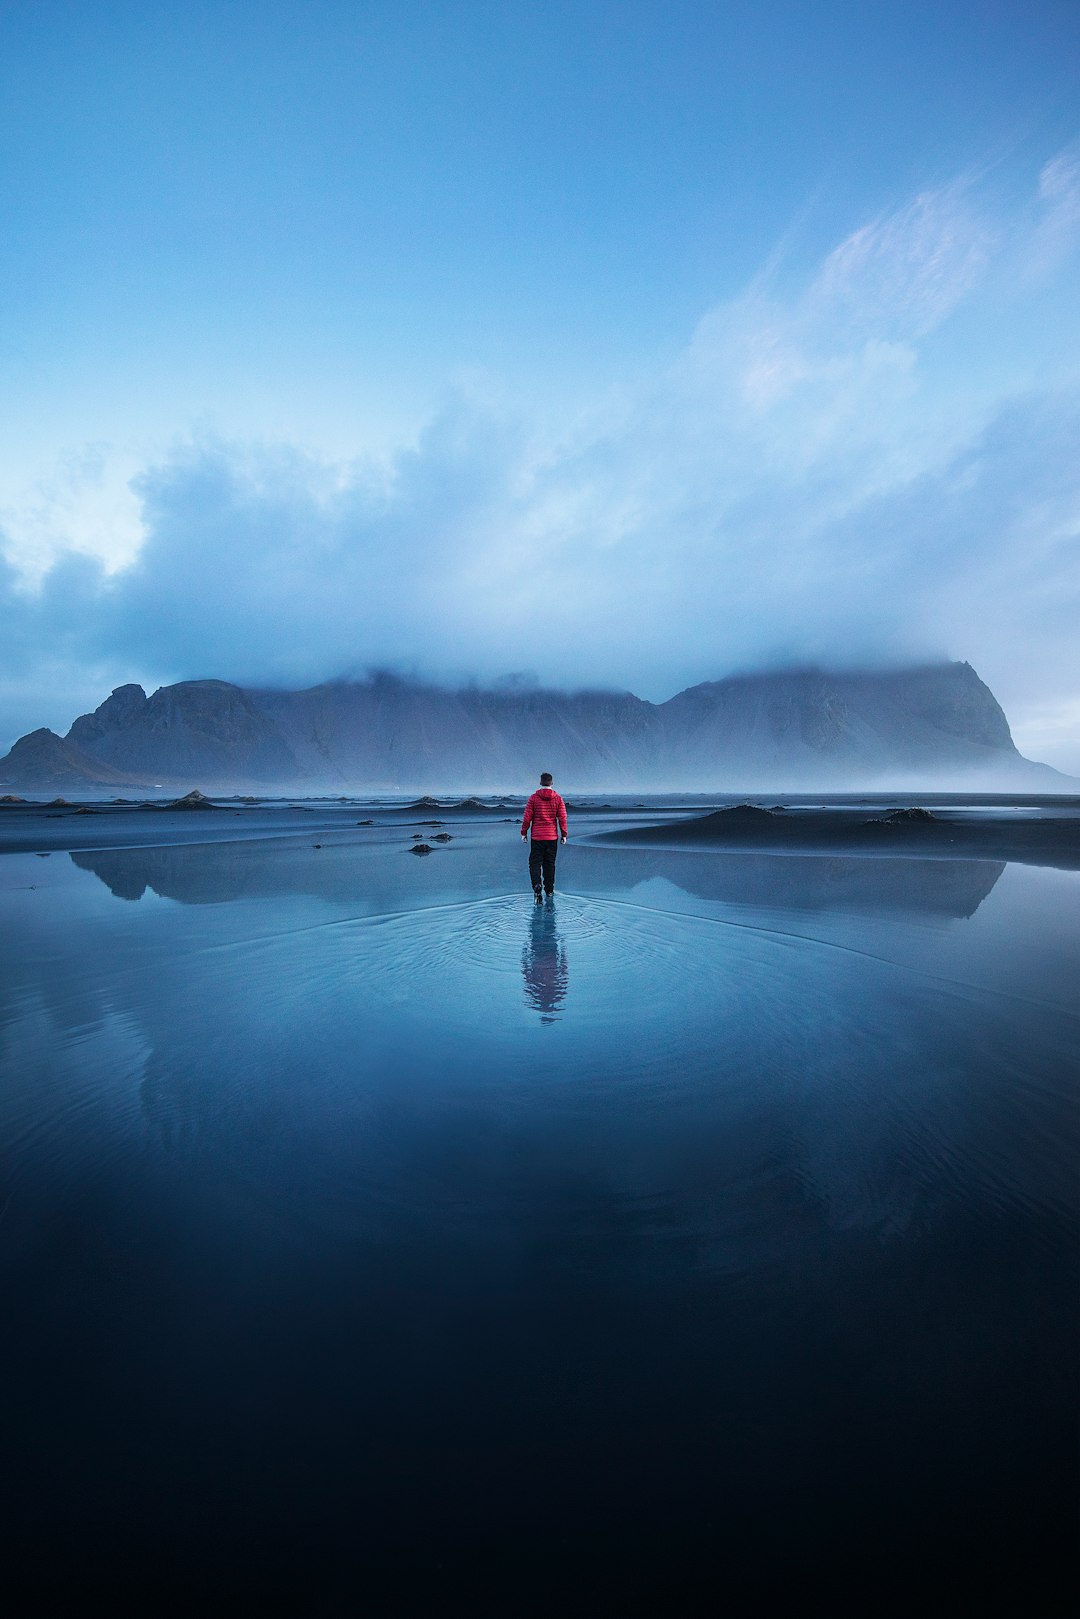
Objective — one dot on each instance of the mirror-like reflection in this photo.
(331, 1210)
(543, 964)
(217, 873)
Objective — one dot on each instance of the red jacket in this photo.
(546, 814)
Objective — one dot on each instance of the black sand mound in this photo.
(468, 806)
(959, 834)
(915, 816)
(191, 801)
(749, 815)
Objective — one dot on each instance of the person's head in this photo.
(545, 779)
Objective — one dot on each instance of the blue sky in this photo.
(615, 343)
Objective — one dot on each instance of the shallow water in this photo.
(375, 1241)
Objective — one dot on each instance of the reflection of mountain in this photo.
(543, 965)
(818, 882)
(210, 873)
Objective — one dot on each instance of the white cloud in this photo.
(812, 478)
(84, 502)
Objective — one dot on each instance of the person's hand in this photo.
(564, 837)
(524, 837)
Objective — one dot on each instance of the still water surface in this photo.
(376, 1242)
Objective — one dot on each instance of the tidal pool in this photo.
(375, 1242)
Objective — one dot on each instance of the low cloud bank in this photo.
(826, 475)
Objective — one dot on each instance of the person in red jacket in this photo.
(546, 814)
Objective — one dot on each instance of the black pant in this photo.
(542, 859)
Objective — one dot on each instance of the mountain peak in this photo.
(811, 727)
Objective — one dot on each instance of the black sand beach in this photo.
(1034, 832)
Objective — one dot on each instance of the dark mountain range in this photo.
(937, 723)
(43, 759)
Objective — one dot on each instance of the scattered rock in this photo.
(12, 798)
(444, 837)
(903, 817)
(365, 823)
(747, 813)
(84, 809)
(58, 803)
(427, 802)
(420, 848)
(191, 801)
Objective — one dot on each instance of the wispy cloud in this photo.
(1058, 229)
(905, 273)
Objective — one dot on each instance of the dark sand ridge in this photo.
(1042, 831)
(28, 826)
(953, 834)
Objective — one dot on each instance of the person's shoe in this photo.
(538, 896)
(550, 892)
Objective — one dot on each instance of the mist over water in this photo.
(377, 1241)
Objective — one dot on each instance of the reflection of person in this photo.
(546, 814)
(543, 963)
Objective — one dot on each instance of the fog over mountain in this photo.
(936, 724)
(609, 378)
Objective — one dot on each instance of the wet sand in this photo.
(1042, 830)
(376, 1240)
(30, 827)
